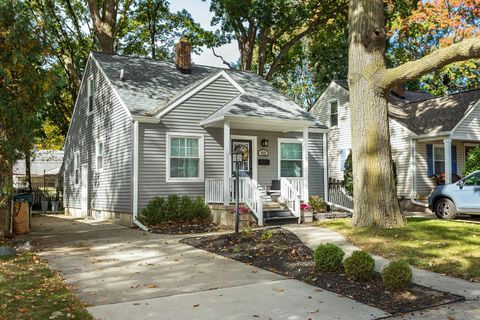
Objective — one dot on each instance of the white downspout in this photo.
(413, 173)
(135, 177)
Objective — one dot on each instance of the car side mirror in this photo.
(460, 184)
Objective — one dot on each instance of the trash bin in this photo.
(55, 205)
(44, 206)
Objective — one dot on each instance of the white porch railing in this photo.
(292, 197)
(299, 185)
(248, 194)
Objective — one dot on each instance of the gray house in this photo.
(143, 128)
(429, 135)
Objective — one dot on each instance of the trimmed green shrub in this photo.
(473, 161)
(328, 257)
(397, 275)
(359, 266)
(318, 204)
(174, 209)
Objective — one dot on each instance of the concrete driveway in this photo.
(125, 273)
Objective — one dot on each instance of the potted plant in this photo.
(244, 215)
(307, 213)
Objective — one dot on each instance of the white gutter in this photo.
(135, 178)
(413, 171)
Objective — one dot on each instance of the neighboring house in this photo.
(429, 135)
(44, 170)
(143, 128)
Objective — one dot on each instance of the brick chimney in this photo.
(183, 60)
(399, 91)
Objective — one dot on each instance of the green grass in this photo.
(447, 247)
(30, 290)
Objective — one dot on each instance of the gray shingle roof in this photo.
(150, 85)
(423, 113)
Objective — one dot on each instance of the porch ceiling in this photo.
(260, 124)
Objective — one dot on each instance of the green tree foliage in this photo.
(433, 25)
(23, 83)
(473, 161)
(267, 30)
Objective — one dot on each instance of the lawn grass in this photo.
(30, 290)
(447, 247)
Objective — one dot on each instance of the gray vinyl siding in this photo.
(340, 136)
(109, 189)
(185, 118)
(315, 164)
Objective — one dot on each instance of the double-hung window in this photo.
(90, 89)
(333, 112)
(290, 157)
(99, 156)
(185, 157)
(76, 167)
(438, 159)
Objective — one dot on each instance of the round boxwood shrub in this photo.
(359, 266)
(397, 275)
(328, 257)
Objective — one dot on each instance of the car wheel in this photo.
(445, 209)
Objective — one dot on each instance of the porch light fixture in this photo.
(264, 143)
(237, 158)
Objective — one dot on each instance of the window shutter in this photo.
(429, 160)
(454, 159)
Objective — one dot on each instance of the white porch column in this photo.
(447, 144)
(226, 166)
(305, 163)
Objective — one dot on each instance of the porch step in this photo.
(278, 216)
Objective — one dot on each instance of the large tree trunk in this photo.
(104, 22)
(375, 198)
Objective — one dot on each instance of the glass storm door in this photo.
(246, 165)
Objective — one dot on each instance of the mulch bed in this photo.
(175, 228)
(284, 253)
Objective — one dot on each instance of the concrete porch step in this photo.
(278, 217)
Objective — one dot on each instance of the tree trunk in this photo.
(104, 23)
(375, 197)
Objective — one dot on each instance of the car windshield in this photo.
(473, 180)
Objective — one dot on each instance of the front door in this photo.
(246, 166)
(84, 190)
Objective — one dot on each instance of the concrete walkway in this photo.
(128, 274)
(313, 236)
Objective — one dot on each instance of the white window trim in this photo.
(254, 153)
(96, 155)
(279, 155)
(90, 90)
(201, 157)
(329, 112)
(437, 145)
(76, 166)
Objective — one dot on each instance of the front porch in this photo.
(274, 168)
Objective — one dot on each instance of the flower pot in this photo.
(307, 216)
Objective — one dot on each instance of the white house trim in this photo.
(135, 144)
(254, 153)
(305, 163)
(226, 163)
(325, 166)
(195, 90)
(447, 145)
(122, 103)
(201, 157)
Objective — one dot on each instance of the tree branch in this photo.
(221, 58)
(464, 50)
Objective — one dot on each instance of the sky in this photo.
(200, 12)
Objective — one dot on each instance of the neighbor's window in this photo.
(290, 159)
(185, 157)
(76, 167)
(99, 158)
(438, 159)
(90, 94)
(333, 111)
